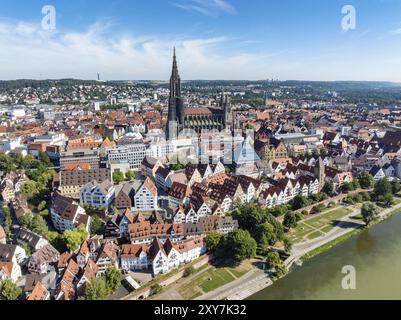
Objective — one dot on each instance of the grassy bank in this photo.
(318, 226)
(331, 244)
(345, 237)
(212, 279)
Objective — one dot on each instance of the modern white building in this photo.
(133, 153)
(97, 194)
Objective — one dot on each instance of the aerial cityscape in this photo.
(192, 168)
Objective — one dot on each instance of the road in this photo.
(257, 280)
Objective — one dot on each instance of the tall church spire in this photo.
(175, 80)
(176, 105)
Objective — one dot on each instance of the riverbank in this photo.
(257, 280)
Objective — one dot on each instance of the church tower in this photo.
(227, 112)
(320, 172)
(176, 110)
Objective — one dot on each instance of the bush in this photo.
(358, 198)
(290, 220)
(318, 209)
(365, 196)
(349, 200)
(189, 271)
(155, 289)
(299, 216)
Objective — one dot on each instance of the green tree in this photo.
(118, 177)
(130, 175)
(387, 199)
(7, 216)
(29, 189)
(395, 186)
(39, 225)
(266, 235)
(96, 225)
(113, 278)
(9, 291)
(382, 187)
(212, 240)
(366, 180)
(328, 188)
(356, 184)
(26, 220)
(57, 241)
(242, 244)
(273, 260)
(74, 238)
(7, 163)
(281, 271)
(369, 212)
(300, 202)
(44, 158)
(279, 211)
(290, 220)
(97, 289)
(288, 245)
(347, 187)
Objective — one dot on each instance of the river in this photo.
(376, 256)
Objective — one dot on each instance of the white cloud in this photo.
(30, 52)
(206, 7)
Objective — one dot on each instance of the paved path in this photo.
(257, 280)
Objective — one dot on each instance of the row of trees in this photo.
(383, 194)
(119, 176)
(384, 191)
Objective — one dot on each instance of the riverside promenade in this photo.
(257, 279)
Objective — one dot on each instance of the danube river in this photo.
(376, 256)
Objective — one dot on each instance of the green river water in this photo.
(376, 256)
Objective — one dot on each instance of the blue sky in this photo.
(215, 39)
